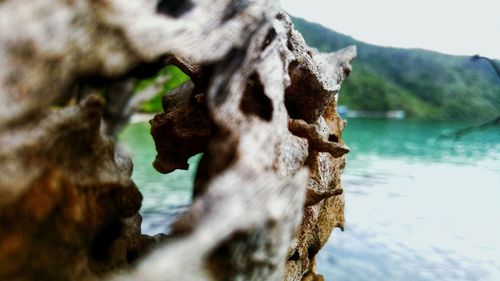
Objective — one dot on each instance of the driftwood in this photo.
(260, 106)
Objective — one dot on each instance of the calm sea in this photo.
(418, 207)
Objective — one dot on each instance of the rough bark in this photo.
(260, 105)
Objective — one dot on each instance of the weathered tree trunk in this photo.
(260, 105)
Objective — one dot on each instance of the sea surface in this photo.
(418, 206)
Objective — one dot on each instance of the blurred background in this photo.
(422, 181)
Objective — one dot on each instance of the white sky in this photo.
(461, 27)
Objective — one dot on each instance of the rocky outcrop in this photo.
(260, 106)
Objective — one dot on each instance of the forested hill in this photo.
(423, 83)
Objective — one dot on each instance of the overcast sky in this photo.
(462, 27)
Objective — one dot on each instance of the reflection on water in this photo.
(417, 208)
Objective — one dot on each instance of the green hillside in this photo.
(423, 83)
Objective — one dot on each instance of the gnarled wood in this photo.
(260, 106)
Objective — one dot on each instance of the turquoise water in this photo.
(165, 196)
(417, 207)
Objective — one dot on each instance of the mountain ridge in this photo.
(423, 83)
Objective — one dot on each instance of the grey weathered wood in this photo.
(260, 105)
(251, 135)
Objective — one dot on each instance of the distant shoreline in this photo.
(391, 114)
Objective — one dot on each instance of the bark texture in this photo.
(260, 106)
